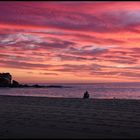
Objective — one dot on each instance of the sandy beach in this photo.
(38, 117)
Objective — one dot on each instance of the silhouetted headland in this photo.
(6, 81)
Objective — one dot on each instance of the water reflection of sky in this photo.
(127, 91)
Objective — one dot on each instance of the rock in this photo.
(55, 86)
(15, 84)
(5, 79)
(37, 86)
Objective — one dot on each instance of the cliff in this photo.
(5, 79)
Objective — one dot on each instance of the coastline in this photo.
(45, 117)
(71, 98)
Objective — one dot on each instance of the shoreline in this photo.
(49, 117)
(66, 98)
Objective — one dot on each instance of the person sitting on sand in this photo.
(86, 95)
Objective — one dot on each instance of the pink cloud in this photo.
(71, 37)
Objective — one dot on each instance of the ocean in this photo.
(96, 90)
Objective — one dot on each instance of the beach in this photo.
(43, 117)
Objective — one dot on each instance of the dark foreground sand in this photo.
(36, 117)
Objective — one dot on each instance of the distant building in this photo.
(5, 79)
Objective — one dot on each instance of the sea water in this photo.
(96, 90)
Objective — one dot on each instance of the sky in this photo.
(71, 41)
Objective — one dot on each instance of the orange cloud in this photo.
(57, 41)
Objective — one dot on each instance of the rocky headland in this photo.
(6, 81)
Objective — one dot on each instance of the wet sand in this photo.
(39, 117)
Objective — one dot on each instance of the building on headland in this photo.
(5, 79)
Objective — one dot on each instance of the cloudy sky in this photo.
(73, 42)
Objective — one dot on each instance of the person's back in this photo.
(86, 95)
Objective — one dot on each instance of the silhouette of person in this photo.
(86, 95)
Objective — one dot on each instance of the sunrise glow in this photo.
(71, 42)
